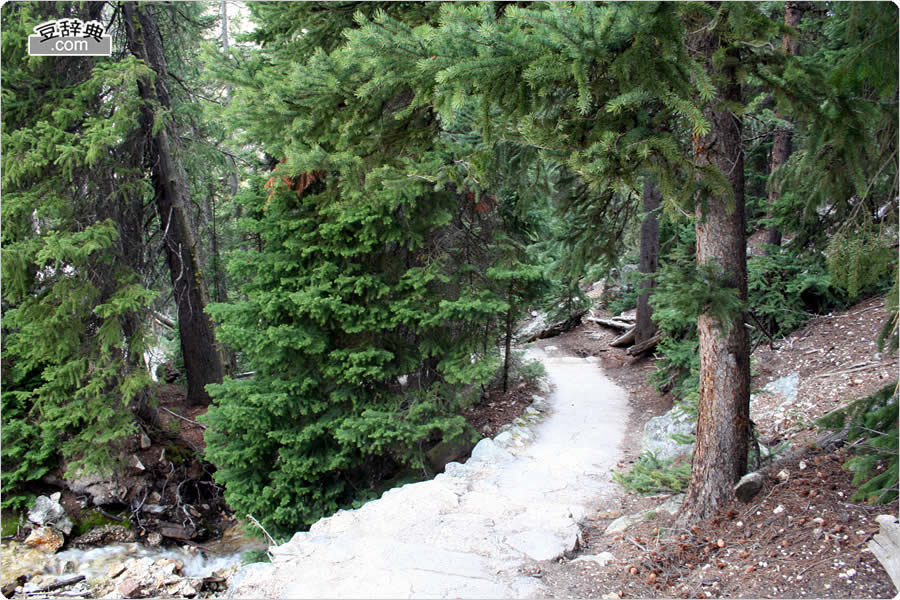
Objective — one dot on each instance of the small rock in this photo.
(115, 570)
(749, 486)
(601, 559)
(778, 509)
(610, 596)
(145, 441)
(783, 475)
(801, 465)
(130, 588)
(153, 538)
(136, 464)
(46, 539)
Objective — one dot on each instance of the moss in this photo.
(94, 519)
(9, 523)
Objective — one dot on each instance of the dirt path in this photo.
(472, 531)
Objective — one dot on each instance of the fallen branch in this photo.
(59, 584)
(855, 368)
(620, 325)
(201, 425)
(626, 339)
(164, 320)
(644, 346)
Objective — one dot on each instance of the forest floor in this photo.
(799, 537)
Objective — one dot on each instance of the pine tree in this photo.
(73, 249)
(202, 358)
(376, 293)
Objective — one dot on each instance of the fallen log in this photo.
(626, 339)
(557, 328)
(614, 324)
(643, 346)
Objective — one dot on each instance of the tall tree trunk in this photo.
(645, 327)
(202, 360)
(781, 147)
(720, 454)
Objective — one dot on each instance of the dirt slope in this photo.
(800, 537)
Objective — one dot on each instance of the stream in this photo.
(222, 554)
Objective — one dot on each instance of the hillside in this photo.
(801, 536)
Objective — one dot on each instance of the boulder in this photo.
(102, 490)
(46, 539)
(749, 486)
(658, 433)
(450, 450)
(48, 511)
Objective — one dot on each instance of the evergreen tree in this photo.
(202, 359)
(377, 289)
(73, 250)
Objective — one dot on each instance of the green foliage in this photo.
(786, 287)
(872, 430)
(863, 257)
(650, 475)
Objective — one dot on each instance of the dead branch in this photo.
(59, 584)
(201, 425)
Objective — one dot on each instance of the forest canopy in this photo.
(343, 211)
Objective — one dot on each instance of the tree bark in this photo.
(781, 146)
(646, 328)
(720, 453)
(202, 360)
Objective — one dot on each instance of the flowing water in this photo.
(18, 559)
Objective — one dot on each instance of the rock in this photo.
(130, 588)
(102, 490)
(886, 546)
(783, 475)
(671, 506)
(145, 441)
(785, 387)
(779, 509)
(749, 486)
(487, 451)
(48, 511)
(658, 433)
(179, 532)
(135, 463)
(115, 570)
(46, 539)
(101, 536)
(153, 539)
(601, 559)
(450, 450)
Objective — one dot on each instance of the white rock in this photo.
(601, 559)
